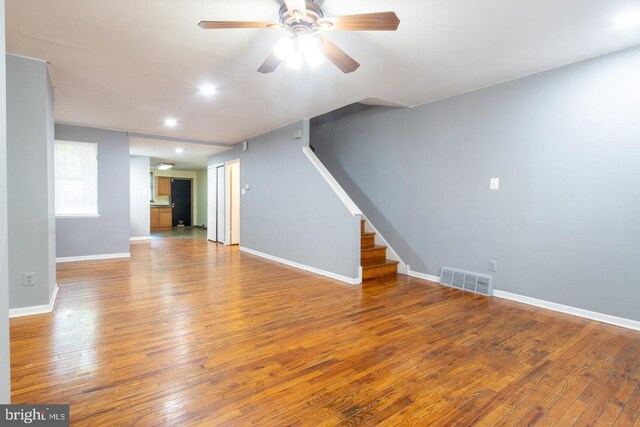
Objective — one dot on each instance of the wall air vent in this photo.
(467, 281)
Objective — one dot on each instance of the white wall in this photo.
(140, 195)
(5, 368)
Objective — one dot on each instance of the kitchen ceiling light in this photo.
(179, 150)
(165, 166)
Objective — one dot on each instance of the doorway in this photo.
(223, 210)
(181, 202)
(232, 202)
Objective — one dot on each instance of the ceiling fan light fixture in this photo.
(284, 48)
(325, 25)
(627, 20)
(310, 48)
(295, 60)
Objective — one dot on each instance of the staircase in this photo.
(373, 259)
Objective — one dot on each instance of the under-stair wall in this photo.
(289, 213)
(563, 226)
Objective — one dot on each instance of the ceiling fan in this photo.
(304, 21)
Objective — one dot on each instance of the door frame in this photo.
(192, 199)
(212, 202)
(227, 199)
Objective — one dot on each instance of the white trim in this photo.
(324, 172)
(422, 275)
(78, 216)
(134, 239)
(600, 317)
(403, 268)
(93, 257)
(579, 312)
(36, 309)
(352, 281)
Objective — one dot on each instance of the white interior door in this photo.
(212, 188)
(220, 199)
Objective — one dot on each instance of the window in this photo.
(76, 178)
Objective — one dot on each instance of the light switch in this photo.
(494, 184)
(243, 191)
(29, 279)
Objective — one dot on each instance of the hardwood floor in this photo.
(188, 332)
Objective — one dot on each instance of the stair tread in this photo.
(378, 263)
(368, 233)
(373, 248)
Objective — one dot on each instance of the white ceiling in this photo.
(193, 156)
(127, 64)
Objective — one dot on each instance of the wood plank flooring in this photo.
(189, 332)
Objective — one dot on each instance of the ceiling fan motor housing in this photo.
(300, 23)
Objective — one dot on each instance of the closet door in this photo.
(212, 191)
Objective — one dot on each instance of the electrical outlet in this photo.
(29, 279)
(494, 184)
(493, 265)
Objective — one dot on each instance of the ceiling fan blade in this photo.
(339, 57)
(296, 5)
(215, 25)
(270, 65)
(383, 21)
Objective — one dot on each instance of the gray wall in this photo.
(30, 172)
(5, 367)
(201, 217)
(564, 226)
(290, 211)
(140, 196)
(108, 234)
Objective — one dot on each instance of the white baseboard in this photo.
(134, 239)
(352, 281)
(36, 309)
(422, 275)
(592, 315)
(600, 317)
(93, 257)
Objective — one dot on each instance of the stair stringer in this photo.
(391, 254)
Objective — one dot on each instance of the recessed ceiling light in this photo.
(179, 150)
(628, 19)
(170, 123)
(207, 89)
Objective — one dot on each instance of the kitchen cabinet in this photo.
(155, 218)
(161, 218)
(164, 186)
